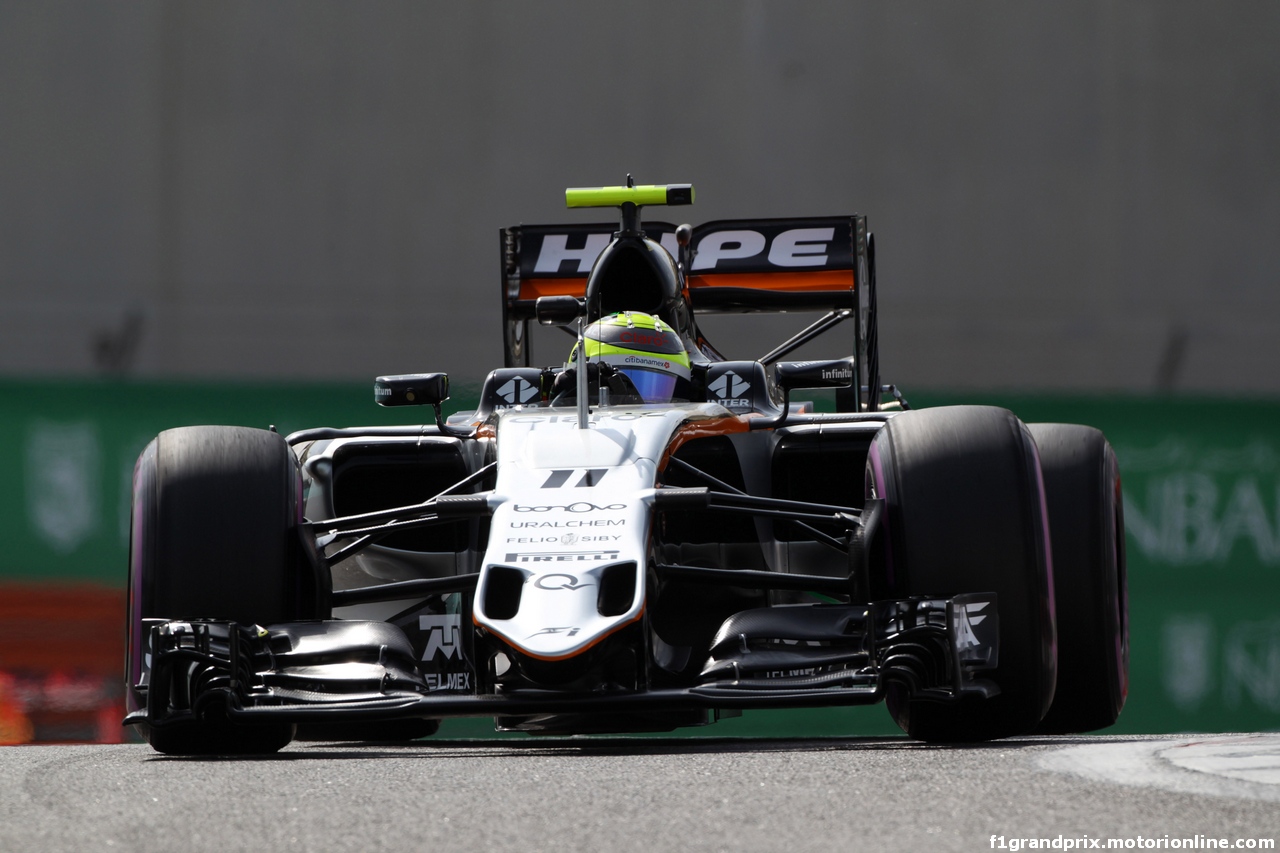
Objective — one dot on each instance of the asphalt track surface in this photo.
(648, 795)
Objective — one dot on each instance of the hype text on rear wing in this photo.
(729, 266)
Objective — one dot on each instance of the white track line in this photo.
(1239, 766)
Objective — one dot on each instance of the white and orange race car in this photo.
(648, 537)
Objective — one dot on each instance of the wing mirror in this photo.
(790, 375)
(814, 374)
(418, 389)
(558, 310)
(411, 389)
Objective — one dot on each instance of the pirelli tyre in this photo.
(1086, 526)
(965, 513)
(215, 535)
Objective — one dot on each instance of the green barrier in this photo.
(68, 450)
(1202, 515)
(1202, 510)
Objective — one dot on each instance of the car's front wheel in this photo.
(964, 505)
(215, 535)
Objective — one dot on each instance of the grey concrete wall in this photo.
(1064, 196)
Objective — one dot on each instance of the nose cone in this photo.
(564, 609)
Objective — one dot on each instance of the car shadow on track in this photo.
(587, 746)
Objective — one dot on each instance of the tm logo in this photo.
(444, 635)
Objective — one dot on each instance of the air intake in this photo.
(617, 589)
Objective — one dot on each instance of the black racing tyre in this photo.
(215, 535)
(965, 513)
(1086, 525)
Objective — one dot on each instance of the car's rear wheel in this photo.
(1086, 523)
(215, 535)
(965, 513)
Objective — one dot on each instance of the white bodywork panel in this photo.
(569, 503)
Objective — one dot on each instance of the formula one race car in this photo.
(647, 537)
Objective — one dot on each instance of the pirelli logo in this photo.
(519, 557)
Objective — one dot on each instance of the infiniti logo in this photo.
(579, 506)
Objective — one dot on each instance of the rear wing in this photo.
(730, 266)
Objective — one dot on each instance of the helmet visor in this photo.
(654, 387)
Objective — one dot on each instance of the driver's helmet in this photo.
(644, 348)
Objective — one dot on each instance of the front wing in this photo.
(792, 656)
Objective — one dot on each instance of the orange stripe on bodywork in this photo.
(779, 282)
(532, 288)
(818, 281)
(702, 429)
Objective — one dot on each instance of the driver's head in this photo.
(644, 348)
